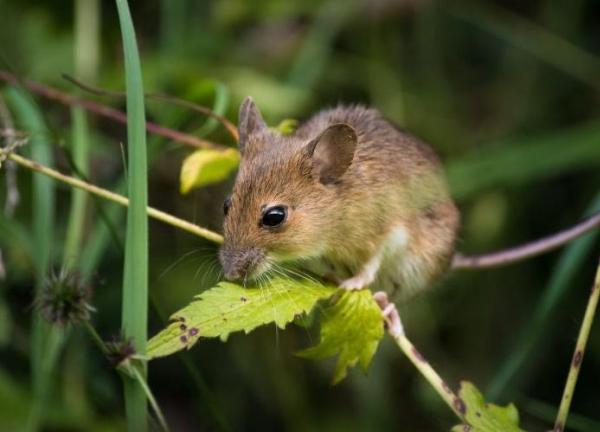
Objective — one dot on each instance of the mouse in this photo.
(349, 196)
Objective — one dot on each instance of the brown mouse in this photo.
(348, 193)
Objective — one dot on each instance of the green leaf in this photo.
(352, 328)
(228, 308)
(205, 167)
(484, 417)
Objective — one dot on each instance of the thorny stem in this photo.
(396, 331)
(103, 110)
(119, 199)
(527, 250)
(584, 333)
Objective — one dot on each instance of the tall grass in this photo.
(87, 17)
(134, 312)
(46, 340)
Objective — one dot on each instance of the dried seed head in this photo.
(64, 298)
(120, 350)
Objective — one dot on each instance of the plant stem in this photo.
(396, 330)
(455, 403)
(105, 111)
(229, 127)
(95, 337)
(584, 333)
(119, 199)
(475, 262)
(155, 407)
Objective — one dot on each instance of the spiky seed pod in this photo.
(120, 350)
(64, 298)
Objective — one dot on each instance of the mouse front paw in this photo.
(355, 283)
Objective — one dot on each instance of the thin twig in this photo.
(424, 367)
(155, 407)
(230, 127)
(584, 334)
(396, 331)
(119, 199)
(527, 250)
(103, 110)
(96, 337)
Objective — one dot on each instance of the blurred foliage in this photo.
(507, 92)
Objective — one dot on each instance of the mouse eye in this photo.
(274, 216)
(226, 205)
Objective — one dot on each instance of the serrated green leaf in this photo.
(228, 308)
(485, 417)
(351, 328)
(205, 167)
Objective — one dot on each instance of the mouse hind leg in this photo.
(426, 258)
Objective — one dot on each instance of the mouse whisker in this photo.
(177, 262)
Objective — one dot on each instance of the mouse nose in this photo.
(239, 263)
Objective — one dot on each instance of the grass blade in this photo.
(87, 36)
(534, 39)
(135, 279)
(502, 164)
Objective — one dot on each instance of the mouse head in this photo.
(285, 201)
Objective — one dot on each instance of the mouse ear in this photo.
(332, 152)
(249, 121)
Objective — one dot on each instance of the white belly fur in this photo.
(401, 274)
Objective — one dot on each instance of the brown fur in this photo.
(393, 180)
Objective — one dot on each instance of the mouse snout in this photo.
(240, 263)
